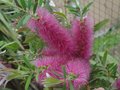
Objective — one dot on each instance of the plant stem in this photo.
(65, 3)
(88, 87)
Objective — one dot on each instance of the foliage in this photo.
(19, 47)
(104, 71)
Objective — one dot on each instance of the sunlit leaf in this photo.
(60, 14)
(101, 25)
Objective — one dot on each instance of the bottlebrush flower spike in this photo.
(49, 29)
(81, 69)
(51, 61)
(82, 32)
(50, 52)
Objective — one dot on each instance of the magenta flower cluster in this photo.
(64, 47)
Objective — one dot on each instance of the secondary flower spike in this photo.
(82, 32)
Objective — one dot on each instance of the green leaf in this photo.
(64, 87)
(23, 20)
(64, 72)
(7, 2)
(73, 10)
(27, 62)
(60, 14)
(70, 7)
(71, 86)
(17, 3)
(112, 67)
(3, 19)
(49, 82)
(9, 29)
(14, 74)
(29, 4)
(30, 37)
(2, 43)
(7, 45)
(23, 4)
(35, 7)
(35, 43)
(28, 82)
(86, 8)
(40, 2)
(65, 75)
(105, 57)
(101, 25)
(113, 70)
(38, 71)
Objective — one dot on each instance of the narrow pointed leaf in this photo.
(35, 7)
(60, 14)
(40, 2)
(29, 4)
(23, 4)
(28, 82)
(23, 20)
(101, 25)
(86, 8)
(71, 86)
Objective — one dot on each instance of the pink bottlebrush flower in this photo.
(51, 31)
(82, 32)
(52, 61)
(81, 69)
(50, 52)
(40, 62)
(117, 84)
